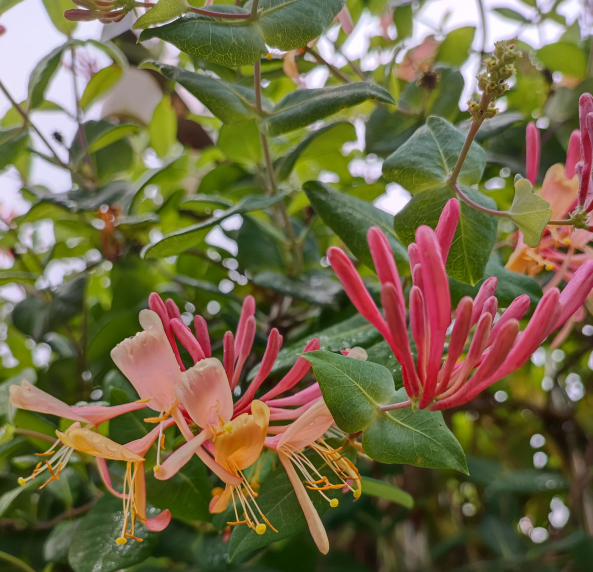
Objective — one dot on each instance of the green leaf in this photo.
(187, 495)
(350, 218)
(511, 15)
(354, 390)
(291, 24)
(455, 47)
(314, 288)
(100, 84)
(383, 490)
(35, 316)
(163, 10)
(93, 547)
(55, 10)
(303, 107)
(191, 236)
(278, 501)
(109, 134)
(564, 57)
(42, 74)
(241, 142)
(13, 142)
(529, 212)
(28, 374)
(8, 497)
(387, 130)
(163, 127)
(474, 238)
(510, 284)
(426, 160)
(221, 41)
(229, 102)
(316, 145)
(7, 5)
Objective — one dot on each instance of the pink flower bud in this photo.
(533, 143)
(585, 107)
(76, 15)
(573, 154)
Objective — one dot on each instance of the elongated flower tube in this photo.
(533, 152)
(307, 433)
(494, 348)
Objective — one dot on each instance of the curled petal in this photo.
(179, 458)
(305, 396)
(149, 363)
(158, 522)
(96, 414)
(309, 427)
(142, 445)
(205, 393)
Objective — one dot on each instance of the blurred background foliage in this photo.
(78, 266)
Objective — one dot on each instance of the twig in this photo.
(34, 434)
(16, 561)
(334, 70)
(45, 525)
(28, 121)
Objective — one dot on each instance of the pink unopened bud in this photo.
(156, 304)
(2, 29)
(76, 15)
(202, 334)
(228, 355)
(573, 154)
(445, 229)
(587, 167)
(346, 20)
(247, 310)
(187, 340)
(533, 143)
(585, 107)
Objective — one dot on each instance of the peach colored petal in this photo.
(92, 443)
(220, 502)
(311, 515)
(158, 522)
(560, 191)
(147, 360)
(27, 396)
(179, 458)
(205, 392)
(309, 427)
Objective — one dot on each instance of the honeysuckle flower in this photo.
(496, 348)
(154, 369)
(307, 432)
(87, 441)
(106, 11)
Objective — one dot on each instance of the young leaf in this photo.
(564, 57)
(163, 127)
(426, 159)
(229, 102)
(41, 76)
(291, 24)
(163, 10)
(93, 547)
(303, 107)
(354, 390)
(455, 47)
(383, 490)
(221, 41)
(7, 5)
(241, 142)
(529, 212)
(474, 238)
(13, 142)
(100, 84)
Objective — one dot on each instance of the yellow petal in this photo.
(238, 448)
(87, 441)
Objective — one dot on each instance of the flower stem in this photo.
(16, 561)
(297, 255)
(221, 15)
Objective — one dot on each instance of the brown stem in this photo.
(334, 70)
(34, 434)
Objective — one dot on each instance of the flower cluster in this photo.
(496, 347)
(228, 437)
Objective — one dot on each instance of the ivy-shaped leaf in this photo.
(163, 10)
(529, 212)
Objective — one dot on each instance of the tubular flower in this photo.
(307, 432)
(496, 348)
(106, 11)
(84, 440)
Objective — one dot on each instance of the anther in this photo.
(334, 503)
(121, 541)
(260, 528)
